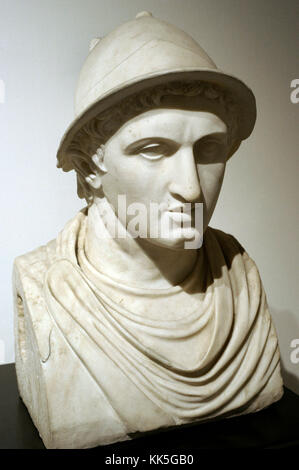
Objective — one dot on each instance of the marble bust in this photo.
(139, 315)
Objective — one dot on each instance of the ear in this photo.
(95, 179)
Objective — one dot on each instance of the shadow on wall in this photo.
(287, 327)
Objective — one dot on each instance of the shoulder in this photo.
(34, 264)
(225, 253)
(224, 249)
(216, 240)
(226, 240)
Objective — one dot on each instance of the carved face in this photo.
(167, 157)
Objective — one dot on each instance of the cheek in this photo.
(136, 178)
(211, 178)
(120, 174)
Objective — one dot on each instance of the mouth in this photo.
(179, 206)
(181, 217)
(181, 210)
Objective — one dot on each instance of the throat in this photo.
(132, 261)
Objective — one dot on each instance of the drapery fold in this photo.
(214, 357)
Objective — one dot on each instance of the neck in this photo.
(132, 261)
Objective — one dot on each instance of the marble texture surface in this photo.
(97, 361)
(121, 330)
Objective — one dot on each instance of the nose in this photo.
(184, 182)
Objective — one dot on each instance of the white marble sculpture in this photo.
(120, 328)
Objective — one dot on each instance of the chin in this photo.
(176, 243)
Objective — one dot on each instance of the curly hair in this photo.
(99, 129)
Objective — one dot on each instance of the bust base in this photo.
(275, 427)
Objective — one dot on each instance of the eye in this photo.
(155, 151)
(152, 148)
(210, 151)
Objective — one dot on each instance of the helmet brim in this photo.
(240, 92)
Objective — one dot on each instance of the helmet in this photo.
(143, 53)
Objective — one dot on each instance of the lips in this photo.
(179, 208)
(179, 216)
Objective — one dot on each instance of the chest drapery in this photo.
(213, 356)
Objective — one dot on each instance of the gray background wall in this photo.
(42, 47)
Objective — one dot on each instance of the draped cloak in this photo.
(163, 357)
